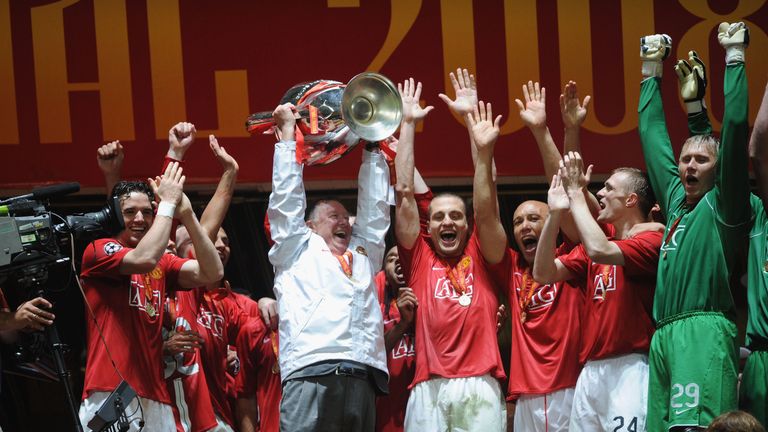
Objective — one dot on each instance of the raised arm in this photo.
(732, 180)
(206, 268)
(372, 221)
(534, 114)
(657, 147)
(110, 159)
(692, 81)
(574, 113)
(485, 132)
(465, 88)
(288, 201)
(180, 139)
(758, 149)
(407, 225)
(596, 244)
(546, 268)
(216, 210)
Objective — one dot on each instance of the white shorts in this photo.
(611, 394)
(157, 416)
(544, 413)
(457, 405)
(221, 426)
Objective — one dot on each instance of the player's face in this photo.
(392, 269)
(448, 226)
(613, 198)
(697, 171)
(527, 223)
(138, 215)
(222, 246)
(332, 224)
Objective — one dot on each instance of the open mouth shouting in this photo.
(691, 182)
(530, 242)
(449, 238)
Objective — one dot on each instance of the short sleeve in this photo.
(577, 262)
(102, 258)
(641, 252)
(172, 264)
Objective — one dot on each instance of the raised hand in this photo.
(285, 121)
(110, 158)
(180, 138)
(653, 50)
(410, 94)
(572, 173)
(692, 77)
(484, 129)
(169, 187)
(572, 110)
(557, 199)
(465, 87)
(533, 113)
(734, 38)
(225, 159)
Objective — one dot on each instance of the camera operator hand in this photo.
(29, 315)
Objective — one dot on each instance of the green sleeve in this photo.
(732, 180)
(698, 124)
(657, 148)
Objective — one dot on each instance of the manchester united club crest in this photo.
(112, 248)
(157, 273)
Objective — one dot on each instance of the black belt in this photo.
(352, 370)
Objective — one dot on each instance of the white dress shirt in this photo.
(325, 315)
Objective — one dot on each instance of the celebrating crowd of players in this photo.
(619, 303)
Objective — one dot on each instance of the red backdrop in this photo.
(75, 74)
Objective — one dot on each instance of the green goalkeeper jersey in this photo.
(757, 271)
(699, 244)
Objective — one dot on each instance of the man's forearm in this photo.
(550, 156)
(211, 268)
(394, 335)
(597, 246)
(216, 210)
(544, 268)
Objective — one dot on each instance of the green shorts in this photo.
(693, 363)
(754, 386)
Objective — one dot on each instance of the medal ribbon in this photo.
(457, 275)
(346, 265)
(672, 229)
(148, 292)
(527, 290)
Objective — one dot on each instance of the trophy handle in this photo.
(263, 122)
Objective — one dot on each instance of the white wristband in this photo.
(695, 106)
(734, 54)
(652, 69)
(166, 209)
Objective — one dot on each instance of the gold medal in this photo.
(465, 300)
(523, 317)
(150, 310)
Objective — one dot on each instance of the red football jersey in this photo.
(401, 362)
(257, 347)
(129, 311)
(219, 319)
(452, 341)
(184, 377)
(545, 346)
(616, 318)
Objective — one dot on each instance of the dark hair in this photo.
(735, 421)
(639, 184)
(124, 188)
(451, 195)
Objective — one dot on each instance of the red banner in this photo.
(77, 74)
